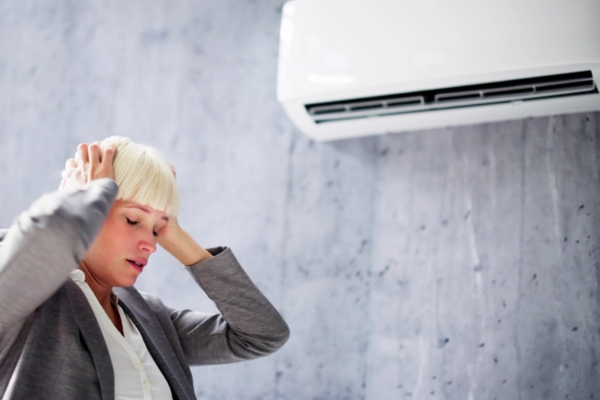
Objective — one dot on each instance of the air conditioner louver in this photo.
(537, 88)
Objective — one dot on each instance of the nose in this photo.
(148, 244)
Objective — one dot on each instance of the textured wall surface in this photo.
(450, 264)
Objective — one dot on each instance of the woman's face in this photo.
(121, 250)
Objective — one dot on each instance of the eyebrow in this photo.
(146, 211)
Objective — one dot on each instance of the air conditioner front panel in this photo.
(336, 51)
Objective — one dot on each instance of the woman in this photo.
(71, 324)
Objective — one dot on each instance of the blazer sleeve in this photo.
(248, 326)
(45, 243)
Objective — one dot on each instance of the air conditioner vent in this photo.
(572, 84)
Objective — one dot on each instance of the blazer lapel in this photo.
(90, 330)
(156, 341)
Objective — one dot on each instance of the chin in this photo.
(126, 282)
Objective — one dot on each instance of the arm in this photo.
(45, 243)
(248, 327)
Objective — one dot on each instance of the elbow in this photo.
(256, 346)
(283, 335)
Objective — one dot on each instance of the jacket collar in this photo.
(90, 330)
(145, 320)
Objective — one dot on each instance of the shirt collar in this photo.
(78, 276)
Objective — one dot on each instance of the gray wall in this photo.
(447, 264)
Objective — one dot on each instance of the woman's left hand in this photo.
(180, 244)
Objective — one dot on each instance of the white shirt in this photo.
(136, 374)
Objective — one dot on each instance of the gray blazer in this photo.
(51, 346)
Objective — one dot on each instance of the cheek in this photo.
(111, 236)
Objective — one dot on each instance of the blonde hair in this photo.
(144, 175)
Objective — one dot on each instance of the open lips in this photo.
(137, 263)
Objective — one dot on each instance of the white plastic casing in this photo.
(333, 50)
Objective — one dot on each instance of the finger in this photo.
(70, 163)
(105, 168)
(82, 153)
(96, 143)
(107, 156)
(94, 156)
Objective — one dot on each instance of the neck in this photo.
(103, 294)
(101, 291)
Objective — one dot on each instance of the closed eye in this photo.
(130, 222)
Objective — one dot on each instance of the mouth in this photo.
(138, 265)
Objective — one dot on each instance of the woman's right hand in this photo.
(88, 164)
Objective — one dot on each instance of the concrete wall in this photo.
(447, 264)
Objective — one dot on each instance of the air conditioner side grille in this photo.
(572, 84)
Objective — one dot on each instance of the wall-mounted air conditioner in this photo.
(350, 68)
